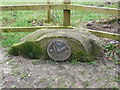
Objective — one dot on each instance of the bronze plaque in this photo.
(58, 50)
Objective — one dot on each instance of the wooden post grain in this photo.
(66, 14)
(48, 13)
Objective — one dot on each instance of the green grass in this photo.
(80, 17)
(15, 73)
(92, 63)
(117, 78)
(9, 39)
(103, 4)
(35, 18)
(22, 18)
(113, 51)
(110, 46)
(86, 84)
(75, 61)
(23, 75)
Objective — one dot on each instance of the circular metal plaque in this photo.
(58, 50)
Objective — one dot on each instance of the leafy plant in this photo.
(110, 46)
(117, 78)
(86, 83)
(92, 62)
(23, 75)
(16, 73)
(74, 61)
(36, 62)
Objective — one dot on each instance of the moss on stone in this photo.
(14, 51)
(84, 45)
(30, 50)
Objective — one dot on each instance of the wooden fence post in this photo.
(48, 13)
(66, 14)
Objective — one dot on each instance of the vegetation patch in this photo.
(117, 78)
(86, 83)
(28, 50)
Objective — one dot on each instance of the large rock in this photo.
(83, 45)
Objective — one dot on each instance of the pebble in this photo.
(106, 26)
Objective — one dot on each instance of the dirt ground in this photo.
(19, 72)
(22, 73)
(111, 25)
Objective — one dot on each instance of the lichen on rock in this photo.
(84, 45)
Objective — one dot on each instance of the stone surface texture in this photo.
(84, 45)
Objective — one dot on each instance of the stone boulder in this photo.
(59, 45)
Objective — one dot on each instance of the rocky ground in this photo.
(19, 72)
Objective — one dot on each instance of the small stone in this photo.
(106, 26)
(66, 67)
(29, 75)
(113, 42)
(7, 63)
(90, 23)
(14, 87)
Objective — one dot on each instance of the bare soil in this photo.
(19, 72)
(111, 25)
